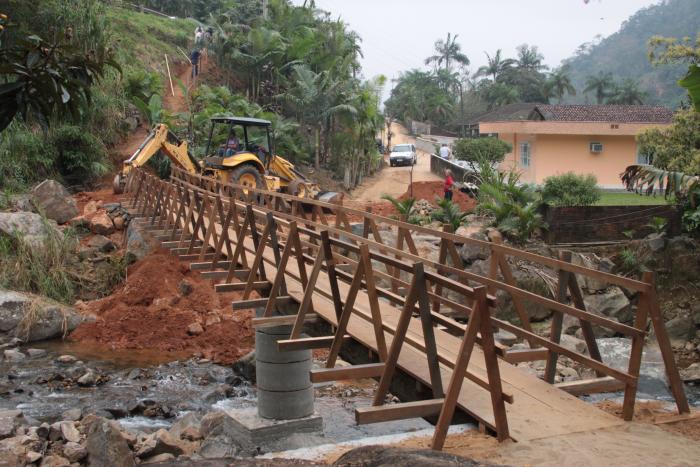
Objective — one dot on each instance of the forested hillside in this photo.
(625, 53)
(74, 72)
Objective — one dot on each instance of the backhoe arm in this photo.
(159, 139)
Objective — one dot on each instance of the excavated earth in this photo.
(164, 306)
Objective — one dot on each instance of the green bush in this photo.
(80, 156)
(142, 84)
(570, 189)
(24, 157)
(480, 151)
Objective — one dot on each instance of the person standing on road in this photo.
(194, 58)
(449, 184)
(445, 152)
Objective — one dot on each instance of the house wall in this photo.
(558, 154)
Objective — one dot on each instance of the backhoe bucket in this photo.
(331, 197)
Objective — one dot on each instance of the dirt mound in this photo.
(424, 190)
(431, 190)
(154, 308)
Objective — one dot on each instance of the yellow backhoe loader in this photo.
(239, 151)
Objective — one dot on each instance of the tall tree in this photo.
(448, 52)
(530, 58)
(627, 93)
(559, 83)
(496, 66)
(601, 85)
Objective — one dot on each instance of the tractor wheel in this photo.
(117, 185)
(247, 175)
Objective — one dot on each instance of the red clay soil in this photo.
(149, 311)
(424, 190)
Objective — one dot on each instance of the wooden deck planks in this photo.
(540, 410)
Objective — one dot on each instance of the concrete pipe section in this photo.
(285, 391)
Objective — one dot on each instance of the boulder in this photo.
(592, 261)
(88, 379)
(66, 359)
(526, 279)
(27, 226)
(69, 432)
(53, 201)
(102, 243)
(74, 452)
(10, 420)
(90, 208)
(612, 303)
(101, 224)
(34, 353)
(54, 461)
(191, 420)
(107, 446)
(33, 318)
(136, 244)
(680, 328)
(119, 222)
(655, 242)
(13, 451)
(21, 202)
(195, 329)
(470, 252)
(13, 355)
(691, 374)
(72, 415)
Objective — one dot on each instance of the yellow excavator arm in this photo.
(159, 139)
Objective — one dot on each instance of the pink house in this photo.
(585, 139)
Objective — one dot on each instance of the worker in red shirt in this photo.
(449, 183)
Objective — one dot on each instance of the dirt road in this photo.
(394, 181)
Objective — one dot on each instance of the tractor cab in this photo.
(233, 137)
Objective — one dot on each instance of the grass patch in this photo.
(43, 270)
(143, 39)
(630, 199)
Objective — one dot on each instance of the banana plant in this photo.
(646, 179)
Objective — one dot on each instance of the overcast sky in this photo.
(398, 35)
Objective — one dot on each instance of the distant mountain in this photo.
(624, 54)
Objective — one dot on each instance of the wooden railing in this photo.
(199, 218)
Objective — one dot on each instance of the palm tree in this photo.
(530, 58)
(601, 85)
(500, 94)
(496, 66)
(448, 51)
(559, 83)
(628, 93)
(315, 97)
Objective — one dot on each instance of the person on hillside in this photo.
(445, 152)
(449, 184)
(198, 36)
(194, 59)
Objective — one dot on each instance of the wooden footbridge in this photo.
(431, 320)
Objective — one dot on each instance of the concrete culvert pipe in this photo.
(285, 391)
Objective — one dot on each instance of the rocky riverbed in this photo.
(72, 402)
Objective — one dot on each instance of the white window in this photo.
(643, 158)
(525, 154)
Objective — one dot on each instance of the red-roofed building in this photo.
(596, 139)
